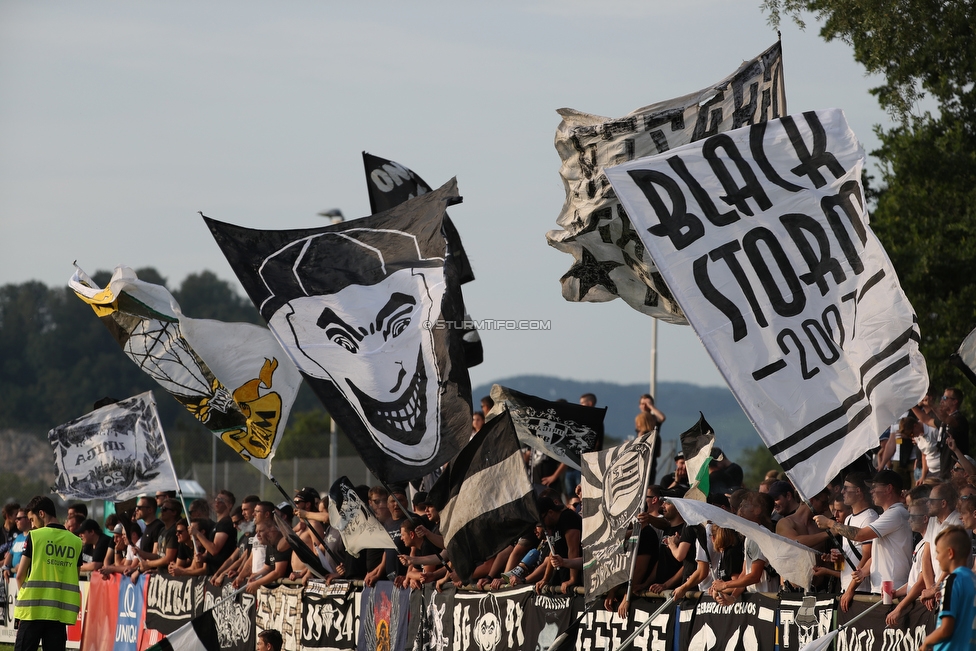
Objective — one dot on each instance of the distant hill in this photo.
(679, 401)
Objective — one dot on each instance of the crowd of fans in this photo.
(888, 524)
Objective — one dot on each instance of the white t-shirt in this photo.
(891, 551)
(933, 529)
(859, 520)
(710, 556)
(927, 444)
(916, 570)
(765, 584)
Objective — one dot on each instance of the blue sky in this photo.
(119, 121)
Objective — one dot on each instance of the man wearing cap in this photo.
(723, 475)
(891, 549)
(307, 499)
(95, 546)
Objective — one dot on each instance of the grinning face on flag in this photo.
(373, 341)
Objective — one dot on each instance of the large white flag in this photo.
(611, 261)
(793, 561)
(762, 234)
(112, 453)
(232, 377)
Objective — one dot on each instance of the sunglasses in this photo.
(957, 469)
(180, 532)
(22, 517)
(166, 508)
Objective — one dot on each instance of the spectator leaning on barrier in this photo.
(95, 547)
(49, 597)
(891, 549)
(166, 543)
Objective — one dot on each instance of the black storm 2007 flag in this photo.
(360, 306)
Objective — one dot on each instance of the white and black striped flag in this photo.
(199, 634)
(484, 497)
(763, 235)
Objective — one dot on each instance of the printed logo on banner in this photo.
(329, 621)
(131, 602)
(281, 609)
(749, 623)
(234, 617)
(801, 623)
(492, 622)
(762, 234)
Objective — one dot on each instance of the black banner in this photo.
(801, 621)
(330, 617)
(749, 623)
(601, 630)
(234, 617)
(171, 602)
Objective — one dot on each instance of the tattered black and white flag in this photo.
(696, 445)
(762, 234)
(357, 525)
(562, 430)
(389, 185)
(614, 484)
(113, 453)
(232, 377)
(366, 310)
(485, 499)
(611, 260)
(200, 634)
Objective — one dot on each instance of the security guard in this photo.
(49, 598)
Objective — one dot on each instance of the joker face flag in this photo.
(763, 236)
(232, 377)
(364, 309)
(114, 453)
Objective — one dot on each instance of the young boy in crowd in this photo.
(955, 631)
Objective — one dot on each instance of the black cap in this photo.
(779, 488)
(546, 504)
(89, 525)
(717, 454)
(420, 499)
(889, 478)
(307, 495)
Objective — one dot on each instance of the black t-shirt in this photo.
(274, 556)
(184, 552)
(667, 565)
(151, 535)
(722, 482)
(96, 553)
(691, 535)
(226, 526)
(732, 560)
(393, 565)
(166, 540)
(568, 521)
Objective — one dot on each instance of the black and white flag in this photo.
(113, 453)
(485, 499)
(562, 430)
(200, 634)
(611, 260)
(389, 185)
(357, 525)
(696, 445)
(614, 484)
(763, 236)
(365, 309)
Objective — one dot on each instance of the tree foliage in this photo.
(57, 359)
(924, 215)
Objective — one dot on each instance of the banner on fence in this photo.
(330, 616)
(173, 601)
(280, 609)
(602, 629)
(801, 621)
(748, 623)
(235, 617)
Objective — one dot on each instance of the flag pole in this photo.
(314, 531)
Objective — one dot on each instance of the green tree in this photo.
(756, 462)
(925, 214)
